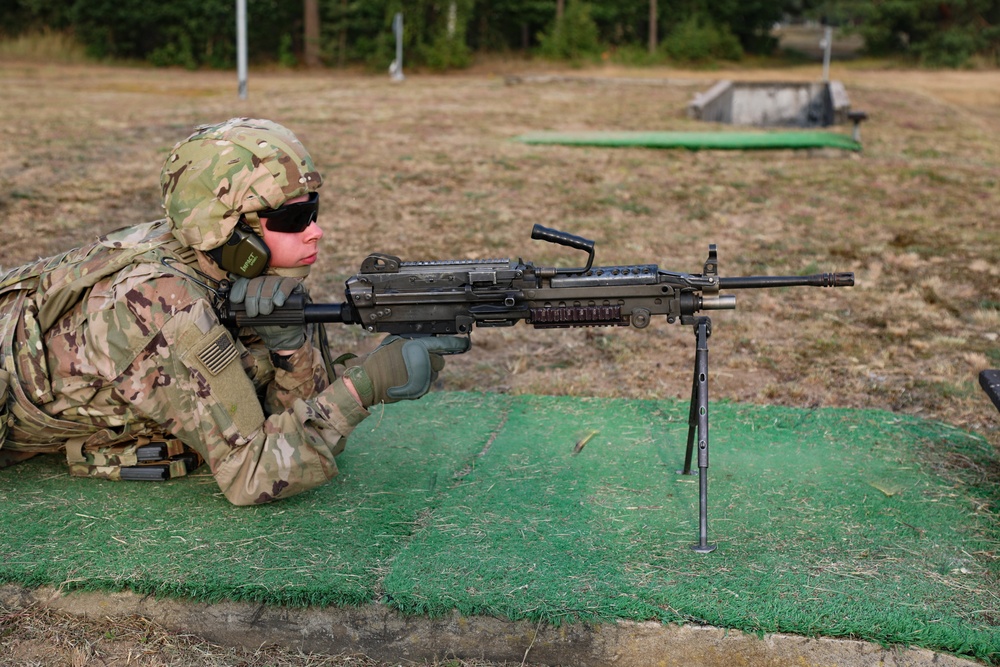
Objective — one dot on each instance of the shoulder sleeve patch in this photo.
(217, 357)
(218, 354)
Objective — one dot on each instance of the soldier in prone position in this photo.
(112, 346)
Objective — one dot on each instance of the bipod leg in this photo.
(702, 330)
(692, 415)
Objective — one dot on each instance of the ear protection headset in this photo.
(244, 253)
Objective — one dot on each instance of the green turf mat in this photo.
(696, 140)
(829, 522)
(328, 546)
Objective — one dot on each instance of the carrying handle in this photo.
(541, 233)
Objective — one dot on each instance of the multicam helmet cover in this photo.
(224, 171)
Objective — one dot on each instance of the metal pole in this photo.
(396, 68)
(241, 47)
(827, 45)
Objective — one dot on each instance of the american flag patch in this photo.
(218, 354)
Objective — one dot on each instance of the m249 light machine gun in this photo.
(426, 298)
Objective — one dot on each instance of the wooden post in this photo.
(312, 44)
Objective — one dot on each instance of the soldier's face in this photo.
(289, 250)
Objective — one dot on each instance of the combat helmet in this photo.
(224, 171)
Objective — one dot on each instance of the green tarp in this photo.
(696, 140)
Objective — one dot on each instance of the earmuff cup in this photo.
(244, 253)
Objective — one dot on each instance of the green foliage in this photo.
(574, 37)
(699, 40)
(187, 33)
(633, 55)
(434, 32)
(938, 34)
(625, 22)
(176, 52)
(508, 25)
(447, 48)
(200, 33)
(951, 48)
(357, 31)
(447, 52)
(889, 26)
(286, 56)
(750, 21)
(19, 17)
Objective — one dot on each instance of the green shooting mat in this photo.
(832, 522)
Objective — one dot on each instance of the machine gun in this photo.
(425, 298)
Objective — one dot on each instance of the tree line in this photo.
(445, 34)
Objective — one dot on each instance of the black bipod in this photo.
(698, 421)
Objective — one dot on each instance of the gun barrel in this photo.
(322, 313)
(294, 312)
(763, 282)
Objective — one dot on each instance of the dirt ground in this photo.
(425, 169)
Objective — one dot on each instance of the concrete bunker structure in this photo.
(773, 104)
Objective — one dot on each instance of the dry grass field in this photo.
(425, 169)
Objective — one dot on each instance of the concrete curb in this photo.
(386, 635)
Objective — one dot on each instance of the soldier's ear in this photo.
(244, 253)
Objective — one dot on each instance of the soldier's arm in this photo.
(301, 375)
(189, 379)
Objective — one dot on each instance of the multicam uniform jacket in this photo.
(140, 351)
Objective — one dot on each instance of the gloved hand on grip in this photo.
(403, 368)
(260, 296)
(263, 294)
(282, 337)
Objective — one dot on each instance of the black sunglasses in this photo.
(292, 218)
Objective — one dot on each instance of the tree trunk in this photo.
(560, 7)
(652, 26)
(342, 50)
(311, 46)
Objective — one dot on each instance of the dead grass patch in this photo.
(39, 637)
(425, 170)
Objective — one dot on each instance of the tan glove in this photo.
(403, 368)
